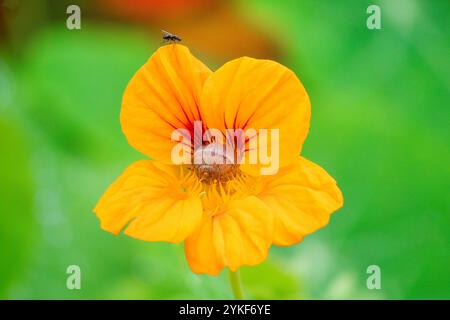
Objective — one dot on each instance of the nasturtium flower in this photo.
(227, 215)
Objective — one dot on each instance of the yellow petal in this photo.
(163, 95)
(301, 197)
(238, 234)
(248, 93)
(157, 202)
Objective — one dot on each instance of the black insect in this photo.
(168, 37)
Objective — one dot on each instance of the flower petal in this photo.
(163, 95)
(249, 93)
(239, 235)
(157, 202)
(301, 197)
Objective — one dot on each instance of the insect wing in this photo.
(166, 34)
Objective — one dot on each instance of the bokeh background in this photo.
(380, 126)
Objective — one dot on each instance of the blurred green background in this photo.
(380, 126)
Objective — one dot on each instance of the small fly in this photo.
(168, 37)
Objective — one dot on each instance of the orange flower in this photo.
(228, 215)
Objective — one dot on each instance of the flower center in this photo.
(213, 163)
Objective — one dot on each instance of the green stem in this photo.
(235, 282)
